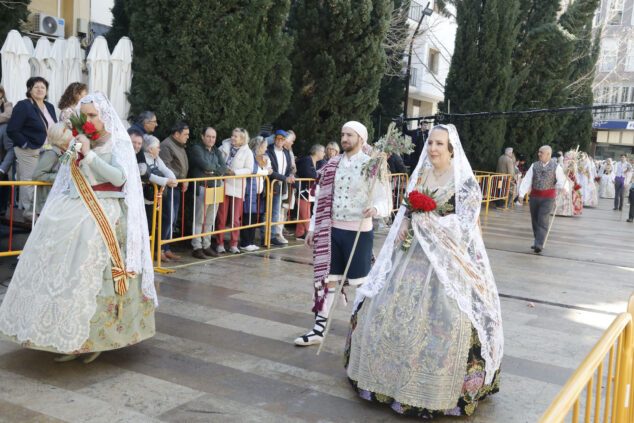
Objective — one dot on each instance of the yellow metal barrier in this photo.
(160, 241)
(615, 345)
(494, 186)
(291, 191)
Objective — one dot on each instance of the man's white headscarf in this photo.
(359, 128)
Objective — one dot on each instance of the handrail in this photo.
(619, 377)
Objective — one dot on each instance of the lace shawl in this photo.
(138, 257)
(455, 248)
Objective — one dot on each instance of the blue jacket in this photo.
(28, 126)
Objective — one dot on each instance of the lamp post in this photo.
(426, 12)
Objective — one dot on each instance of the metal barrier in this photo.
(216, 196)
(616, 346)
(13, 184)
(494, 186)
(398, 183)
(294, 195)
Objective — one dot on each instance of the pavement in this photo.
(223, 350)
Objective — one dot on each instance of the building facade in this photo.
(614, 80)
(431, 58)
(84, 19)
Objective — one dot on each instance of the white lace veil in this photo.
(469, 279)
(138, 257)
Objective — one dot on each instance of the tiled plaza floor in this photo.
(223, 350)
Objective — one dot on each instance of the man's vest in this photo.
(544, 180)
(351, 192)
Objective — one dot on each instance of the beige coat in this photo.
(242, 164)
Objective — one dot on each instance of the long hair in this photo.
(71, 95)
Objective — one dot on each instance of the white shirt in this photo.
(527, 183)
(622, 169)
(281, 160)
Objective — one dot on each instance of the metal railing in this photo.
(615, 347)
(398, 184)
(494, 186)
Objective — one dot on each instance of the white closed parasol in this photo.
(72, 61)
(121, 78)
(39, 61)
(98, 64)
(15, 66)
(56, 66)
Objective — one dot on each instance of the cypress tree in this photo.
(338, 62)
(577, 20)
(12, 16)
(479, 78)
(540, 62)
(120, 24)
(209, 62)
(393, 82)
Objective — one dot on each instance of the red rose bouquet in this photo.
(597, 179)
(80, 125)
(420, 202)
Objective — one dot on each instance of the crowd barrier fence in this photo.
(495, 187)
(615, 346)
(287, 215)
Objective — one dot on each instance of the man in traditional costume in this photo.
(343, 206)
(621, 172)
(542, 180)
(85, 281)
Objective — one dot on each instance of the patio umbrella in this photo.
(15, 66)
(28, 43)
(98, 64)
(72, 61)
(39, 61)
(121, 77)
(56, 65)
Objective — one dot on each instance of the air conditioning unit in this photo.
(52, 26)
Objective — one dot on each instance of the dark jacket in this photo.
(305, 169)
(418, 139)
(395, 164)
(139, 128)
(202, 160)
(279, 174)
(28, 126)
(174, 156)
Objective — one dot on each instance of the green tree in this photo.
(13, 15)
(576, 129)
(120, 24)
(209, 62)
(338, 62)
(479, 78)
(392, 87)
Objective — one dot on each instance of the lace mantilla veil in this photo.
(463, 270)
(138, 257)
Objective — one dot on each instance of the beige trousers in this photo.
(26, 162)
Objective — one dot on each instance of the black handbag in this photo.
(148, 187)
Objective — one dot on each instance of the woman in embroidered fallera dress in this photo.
(569, 202)
(426, 332)
(63, 296)
(586, 178)
(606, 183)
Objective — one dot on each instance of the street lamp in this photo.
(426, 12)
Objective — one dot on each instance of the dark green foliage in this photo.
(120, 24)
(12, 16)
(210, 62)
(338, 62)
(479, 78)
(392, 88)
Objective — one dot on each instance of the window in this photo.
(413, 77)
(432, 61)
(629, 60)
(615, 12)
(609, 54)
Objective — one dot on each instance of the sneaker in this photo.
(302, 237)
(282, 239)
(517, 203)
(630, 220)
(252, 247)
(276, 241)
(234, 250)
(220, 249)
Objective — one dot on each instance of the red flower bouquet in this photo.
(597, 179)
(577, 187)
(419, 202)
(80, 125)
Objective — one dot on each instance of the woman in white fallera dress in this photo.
(63, 296)
(586, 178)
(606, 184)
